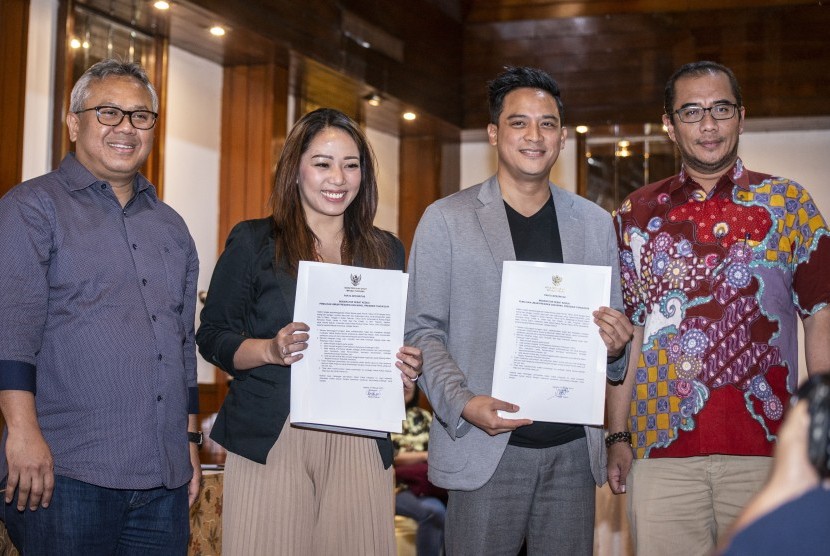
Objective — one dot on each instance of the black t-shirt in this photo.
(536, 238)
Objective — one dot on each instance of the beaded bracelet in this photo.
(623, 436)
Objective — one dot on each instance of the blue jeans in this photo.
(429, 512)
(84, 519)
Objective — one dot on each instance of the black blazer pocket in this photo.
(250, 419)
(252, 385)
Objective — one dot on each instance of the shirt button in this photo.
(159, 357)
(158, 398)
(144, 283)
(135, 246)
(154, 318)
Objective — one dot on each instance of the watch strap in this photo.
(196, 437)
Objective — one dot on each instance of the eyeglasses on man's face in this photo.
(693, 114)
(112, 116)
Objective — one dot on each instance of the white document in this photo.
(347, 380)
(550, 358)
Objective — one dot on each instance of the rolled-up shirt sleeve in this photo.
(25, 250)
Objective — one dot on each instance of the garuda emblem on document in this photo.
(556, 280)
(355, 279)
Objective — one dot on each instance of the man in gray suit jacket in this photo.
(509, 480)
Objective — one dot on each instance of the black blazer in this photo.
(250, 298)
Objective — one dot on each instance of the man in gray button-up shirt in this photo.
(97, 360)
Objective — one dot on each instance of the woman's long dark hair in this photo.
(362, 242)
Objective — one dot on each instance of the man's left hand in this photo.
(196, 480)
(614, 328)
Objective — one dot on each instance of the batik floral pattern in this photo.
(699, 276)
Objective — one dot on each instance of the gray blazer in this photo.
(452, 315)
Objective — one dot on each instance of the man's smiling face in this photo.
(112, 153)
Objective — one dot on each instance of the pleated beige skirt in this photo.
(318, 494)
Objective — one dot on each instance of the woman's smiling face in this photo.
(329, 175)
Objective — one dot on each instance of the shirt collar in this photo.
(78, 177)
(737, 175)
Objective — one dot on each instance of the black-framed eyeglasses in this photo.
(112, 116)
(693, 114)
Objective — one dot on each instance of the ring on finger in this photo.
(416, 378)
(285, 350)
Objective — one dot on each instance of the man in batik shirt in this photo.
(717, 262)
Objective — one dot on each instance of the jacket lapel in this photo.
(493, 220)
(287, 283)
(570, 226)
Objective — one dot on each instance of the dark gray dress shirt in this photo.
(97, 318)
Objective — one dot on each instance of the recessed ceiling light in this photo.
(373, 99)
(75, 43)
(217, 31)
(161, 5)
(409, 116)
(582, 129)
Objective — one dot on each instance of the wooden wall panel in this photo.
(419, 183)
(429, 169)
(253, 125)
(14, 25)
(253, 130)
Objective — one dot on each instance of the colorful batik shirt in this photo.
(413, 438)
(415, 431)
(717, 281)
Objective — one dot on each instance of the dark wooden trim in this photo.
(14, 27)
(511, 10)
(209, 398)
(63, 81)
(154, 167)
(581, 164)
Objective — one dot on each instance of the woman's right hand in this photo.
(285, 348)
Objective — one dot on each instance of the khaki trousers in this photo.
(318, 494)
(685, 505)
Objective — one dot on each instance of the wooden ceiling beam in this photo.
(489, 11)
(614, 68)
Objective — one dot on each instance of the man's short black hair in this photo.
(517, 78)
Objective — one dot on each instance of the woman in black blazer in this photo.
(289, 490)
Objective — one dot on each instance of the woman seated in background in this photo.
(791, 513)
(289, 490)
(417, 497)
